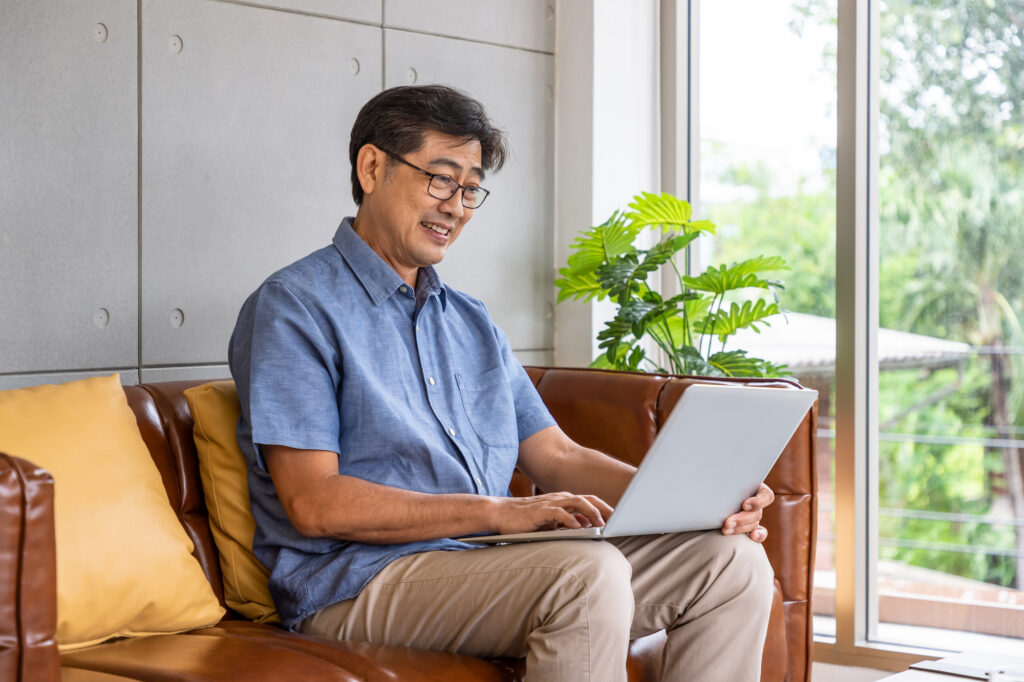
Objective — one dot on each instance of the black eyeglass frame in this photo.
(430, 183)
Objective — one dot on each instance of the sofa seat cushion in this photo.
(124, 562)
(215, 411)
(373, 661)
(214, 658)
(243, 650)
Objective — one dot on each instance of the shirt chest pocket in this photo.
(487, 399)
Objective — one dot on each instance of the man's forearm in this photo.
(590, 472)
(556, 463)
(320, 502)
(350, 508)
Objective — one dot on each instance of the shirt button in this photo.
(403, 289)
(417, 327)
(451, 432)
(431, 380)
(478, 481)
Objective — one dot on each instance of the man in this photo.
(383, 414)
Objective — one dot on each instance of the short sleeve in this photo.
(293, 373)
(532, 414)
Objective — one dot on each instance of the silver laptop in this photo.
(715, 449)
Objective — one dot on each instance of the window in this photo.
(950, 495)
(927, 173)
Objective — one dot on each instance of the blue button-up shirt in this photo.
(415, 389)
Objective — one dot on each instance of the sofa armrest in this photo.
(28, 564)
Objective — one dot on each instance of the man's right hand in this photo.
(548, 512)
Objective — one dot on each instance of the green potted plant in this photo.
(691, 327)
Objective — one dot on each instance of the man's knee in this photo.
(597, 576)
(747, 569)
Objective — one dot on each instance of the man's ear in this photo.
(370, 162)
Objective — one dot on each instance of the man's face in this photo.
(402, 222)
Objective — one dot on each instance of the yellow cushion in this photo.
(124, 562)
(215, 409)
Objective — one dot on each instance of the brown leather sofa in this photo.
(615, 412)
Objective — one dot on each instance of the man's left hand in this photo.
(749, 519)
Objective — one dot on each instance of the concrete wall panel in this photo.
(149, 181)
(68, 185)
(246, 115)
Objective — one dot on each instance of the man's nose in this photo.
(453, 205)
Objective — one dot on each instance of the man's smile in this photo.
(437, 228)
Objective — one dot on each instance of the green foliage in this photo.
(955, 479)
(596, 246)
(724, 323)
(605, 264)
(801, 228)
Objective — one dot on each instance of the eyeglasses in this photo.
(443, 187)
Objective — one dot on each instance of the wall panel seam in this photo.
(138, 186)
(469, 40)
(288, 10)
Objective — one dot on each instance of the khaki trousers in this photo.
(571, 607)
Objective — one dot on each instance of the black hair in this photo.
(396, 119)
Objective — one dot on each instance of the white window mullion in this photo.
(853, 326)
(870, 279)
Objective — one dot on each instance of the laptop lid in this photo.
(714, 450)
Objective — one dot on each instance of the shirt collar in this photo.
(428, 284)
(377, 277)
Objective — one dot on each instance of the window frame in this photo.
(856, 422)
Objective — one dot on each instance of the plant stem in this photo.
(668, 351)
(656, 366)
(713, 311)
(687, 336)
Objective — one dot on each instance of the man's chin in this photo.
(428, 259)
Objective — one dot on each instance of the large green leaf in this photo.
(627, 327)
(580, 286)
(623, 275)
(694, 363)
(616, 338)
(591, 250)
(742, 275)
(636, 310)
(664, 210)
(724, 323)
(602, 243)
(635, 357)
(602, 362)
(625, 359)
(697, 226)
(735, 363)
(619, 275)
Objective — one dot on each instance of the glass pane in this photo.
(951, 375)
(767, 180)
